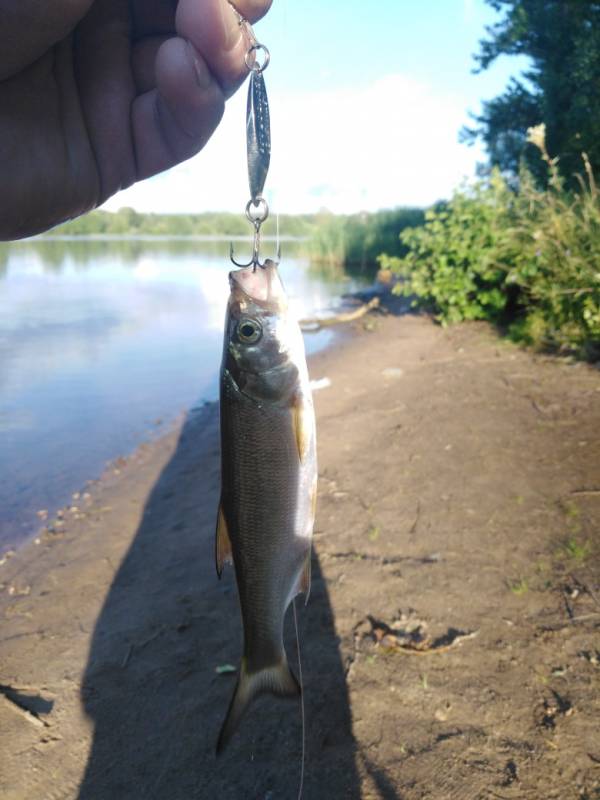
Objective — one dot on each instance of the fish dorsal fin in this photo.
(302, 425)
(222, 542)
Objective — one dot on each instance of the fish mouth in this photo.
(260, 285)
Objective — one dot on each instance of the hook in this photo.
(255, 260)
(256, 218)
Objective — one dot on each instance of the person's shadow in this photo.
(155, 688)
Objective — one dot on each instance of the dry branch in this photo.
(314, 324)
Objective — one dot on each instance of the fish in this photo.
(268, 478)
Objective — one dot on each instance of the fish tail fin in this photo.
(277, 679)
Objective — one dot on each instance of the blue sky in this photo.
(366, 103)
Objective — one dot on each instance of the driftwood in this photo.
(314, 324)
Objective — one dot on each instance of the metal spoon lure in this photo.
(258, 143)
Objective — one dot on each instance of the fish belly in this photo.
(267, 506)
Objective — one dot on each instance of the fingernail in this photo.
(232, 31)
(203, 75)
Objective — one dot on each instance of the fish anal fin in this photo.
(223, 552)
(277, 679)
(303, 427)
(303, 581)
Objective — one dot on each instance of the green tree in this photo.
(561, 89)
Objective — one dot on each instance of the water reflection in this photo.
(98, 341)
(58, 253)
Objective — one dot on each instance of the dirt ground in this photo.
(451, 644)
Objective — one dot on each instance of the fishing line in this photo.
(302, 710)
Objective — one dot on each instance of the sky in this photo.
(366, 100)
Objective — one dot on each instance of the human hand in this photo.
(98, 94)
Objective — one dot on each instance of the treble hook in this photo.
(257, 218)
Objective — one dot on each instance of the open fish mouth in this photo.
(262, 286)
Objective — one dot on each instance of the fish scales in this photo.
(268, 478)
(261, 586)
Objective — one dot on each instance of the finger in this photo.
(156, 17)
(152, 17)
(143, 62)
(175, 120)
(106, 88)
(213, 28)
(29, 28)
(252, 10)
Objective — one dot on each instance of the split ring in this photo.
(255, 65)
(260, 213)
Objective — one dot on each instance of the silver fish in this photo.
(268, 478)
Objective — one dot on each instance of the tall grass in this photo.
(356, 240)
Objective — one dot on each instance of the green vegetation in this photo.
(521, 247)
(576, 550)
(519, 586)
(356, 240)
(561, 39)
(527, 259)
(335, 241)
(127, 222)
(373, 533)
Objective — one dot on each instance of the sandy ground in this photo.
(451, 645)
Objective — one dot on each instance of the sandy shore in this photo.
(451, 645)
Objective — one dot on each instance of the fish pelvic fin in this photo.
(222, 542)
(302, 416)
(277, 679)
(303, 586)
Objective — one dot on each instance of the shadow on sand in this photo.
(150, 686)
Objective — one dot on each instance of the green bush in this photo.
(528, 259)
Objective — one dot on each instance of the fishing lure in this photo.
(258, 142)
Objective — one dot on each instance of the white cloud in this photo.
(468, 10)
(392, 142)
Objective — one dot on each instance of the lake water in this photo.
(103, 344)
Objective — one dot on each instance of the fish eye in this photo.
(249, 331)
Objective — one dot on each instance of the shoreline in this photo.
(458, 491)
(78, 497)
(152, 237)
(50, 514)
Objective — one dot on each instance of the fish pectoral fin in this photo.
(277, 679)
(303, 427)
(223, 552)
(303, 585)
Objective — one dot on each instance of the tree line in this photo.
(129, 222)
